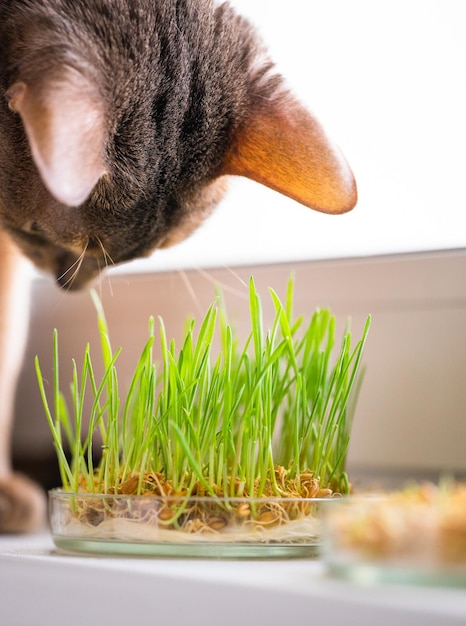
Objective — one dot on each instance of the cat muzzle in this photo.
(74, 272)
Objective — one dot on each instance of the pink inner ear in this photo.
(65, 125)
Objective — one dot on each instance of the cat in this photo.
(120, 123)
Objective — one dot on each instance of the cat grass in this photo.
(268, 418)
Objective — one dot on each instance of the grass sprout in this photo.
(271, 417)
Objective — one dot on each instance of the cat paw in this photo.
(22, 504)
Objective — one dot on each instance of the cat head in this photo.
(122, 122)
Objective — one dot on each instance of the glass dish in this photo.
(172, 526)
(417, 538)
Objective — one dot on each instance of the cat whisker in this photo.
(225, 286)
(106, 256)
(108, 261)
(236, 275)
(74, 269)
(190, 289)
(100, 279)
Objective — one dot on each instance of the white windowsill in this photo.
(41, 587)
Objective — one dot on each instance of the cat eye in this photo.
(32, 232)
(33, 228)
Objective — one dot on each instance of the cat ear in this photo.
(65, 126)
(282, 146)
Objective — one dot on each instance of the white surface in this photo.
(39, 587)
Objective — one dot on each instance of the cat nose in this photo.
(73, 272)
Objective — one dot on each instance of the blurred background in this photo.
(387, 81)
